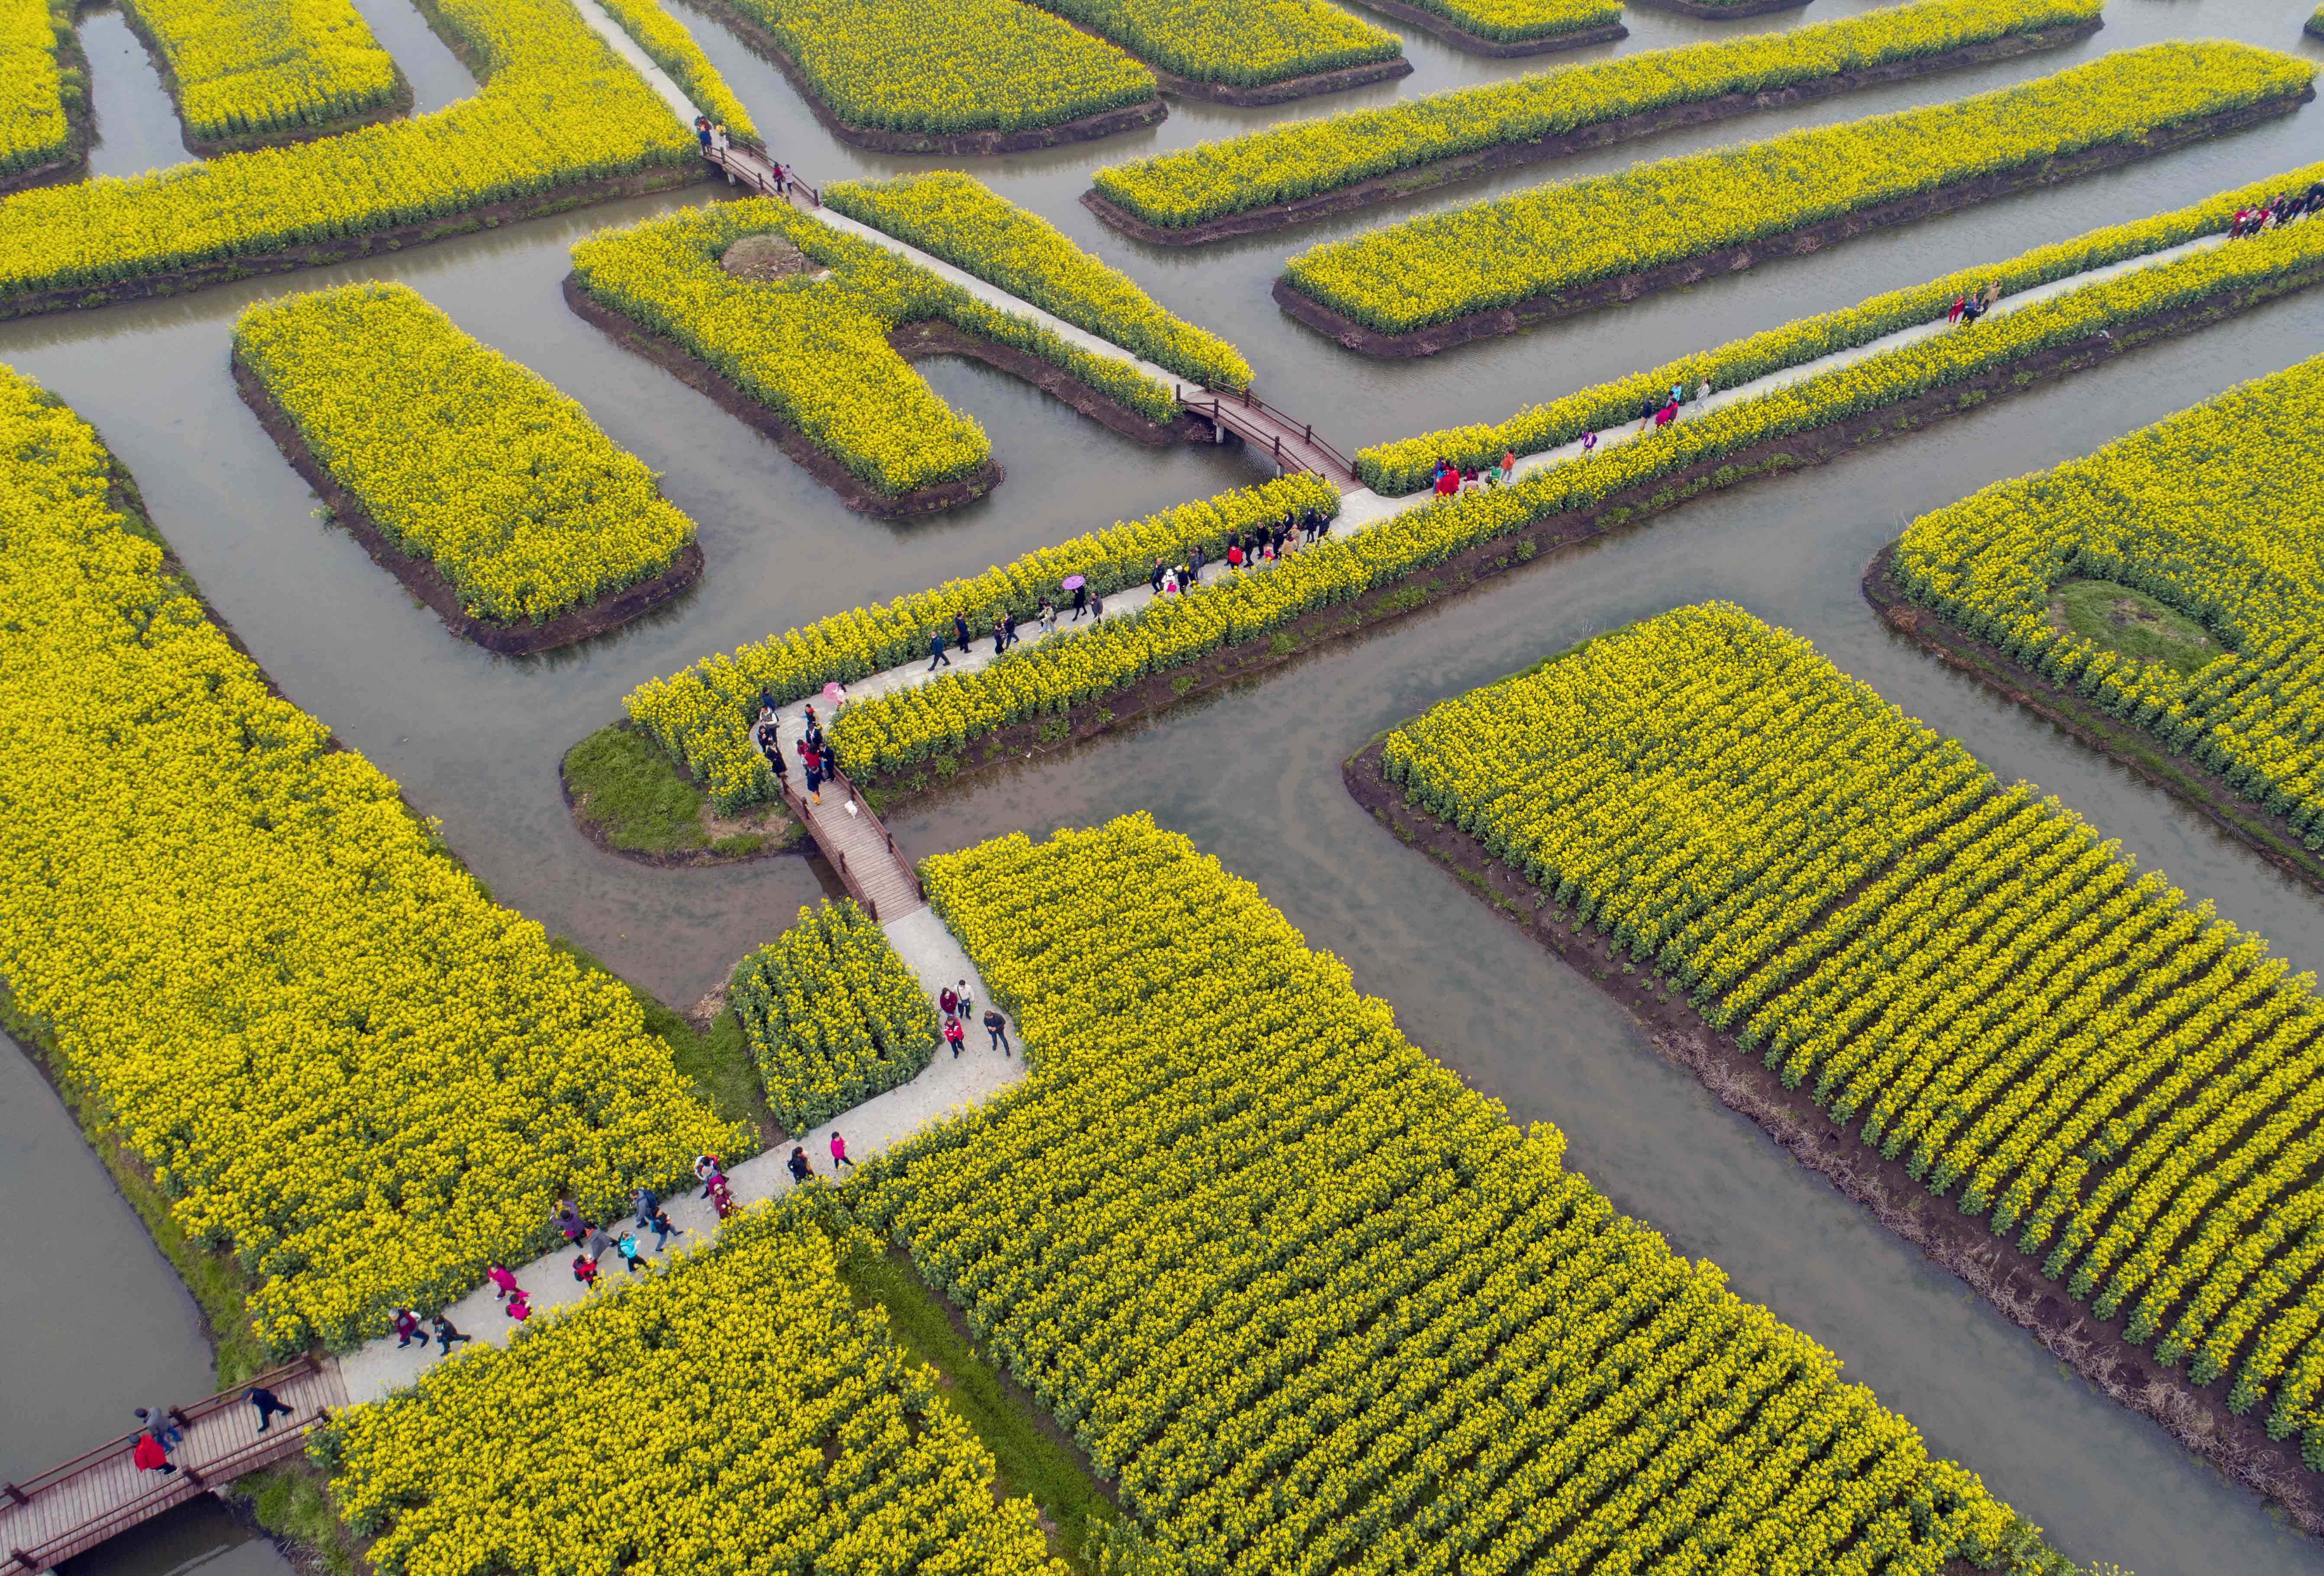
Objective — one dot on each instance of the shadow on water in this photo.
(1251, 775)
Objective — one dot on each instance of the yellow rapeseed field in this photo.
(833, 1014)
(341, 1060)
(459, 455)
(1242, 43)
(734, 1415)
(668, 45)
(557, 109)
(1310, 1301)
(1438, 268)
(248, 68)
(33, 126)
(1966, 972)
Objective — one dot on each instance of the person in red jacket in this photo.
(149, 1456)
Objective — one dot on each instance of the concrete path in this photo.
(948, 1085)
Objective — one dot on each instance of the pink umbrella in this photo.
(1072, 583)
(832, 692)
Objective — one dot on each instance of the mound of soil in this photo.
(765, 257)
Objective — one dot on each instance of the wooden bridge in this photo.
(860, 848)
(1292, 444)
(749, 169)
(70, 1509)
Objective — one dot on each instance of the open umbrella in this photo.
(1072, 583)
(832, 693)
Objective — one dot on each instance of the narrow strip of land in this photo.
(878, 1124)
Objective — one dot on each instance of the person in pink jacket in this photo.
(839, 1153)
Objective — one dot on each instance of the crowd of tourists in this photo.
(2284, 208)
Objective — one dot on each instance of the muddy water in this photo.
(1253, 776)
(137, 127)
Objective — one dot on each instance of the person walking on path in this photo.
(839, 1153)
(1702, 391)
(948, 1000)
(702, 133)
(706, 1170)
(518, 1306)
(997, 1026)
(960, 631)
(1008, 628)
(598, 1242)
(156, 1421)
(1155, 579)
(1048, 617)
(584, 1270)
(447, 1334)
(722, 1197)
(661, 1228)
(1508, 466)
(828, 759)
(1588, 444)
(407, 1328)
(642, 1202)
(1953, 317)
(1234, 557)
(269, 1405)
(1097, 610)
(1081, 602)
(771, 745)
(812, 765)
(632, 1255)
(150, 1457)
(1194, 565)
(954, 1035)
(503, 1280)
(799, 1166)
(967, 1002)
(1000, 635)
(936, 657)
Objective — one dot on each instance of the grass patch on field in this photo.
(625, 785)
(2131, 623)
(1031, 1460)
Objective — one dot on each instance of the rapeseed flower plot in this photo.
(1442, 267)
(1242, 43)
(703, 716)
(34, 128)
(1302, 158)
(954, 216)
(671, 46)
(241, 68)
(735, 1413)
(1308, 1301)
(814, 347)
(1966, 971)
(462, 457)
(557, 109)
(1521, 21)
(1407, 465)
(2215, 511)
(341, 1060)
(833, 1014)
(949, 66)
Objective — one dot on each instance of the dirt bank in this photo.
(1159, 691)
(2138, 751)
(1587, 297)
(1484, 161)
(425, 581)
(2011, 1280)
(1104, 122)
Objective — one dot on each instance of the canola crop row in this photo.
(903, 727)
(35, 124)
(2215, 511)
(1436, 269)
(954, 217)
(1304, 158)
(735, 1413)
(1522, 21)
(340, 1059)
(832, 1015)
(1966, 972)
(814, 347)
(462, 458)
(1408, 464)
(243, 68)
(949, 66)
(557, 109)
(703, 715)
(1237, 43)
(668, 45)
(1310, 1302)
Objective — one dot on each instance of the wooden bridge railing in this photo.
(757, 172)
(1255, 420)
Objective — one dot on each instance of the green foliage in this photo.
(2128, 621)
(631, 789)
